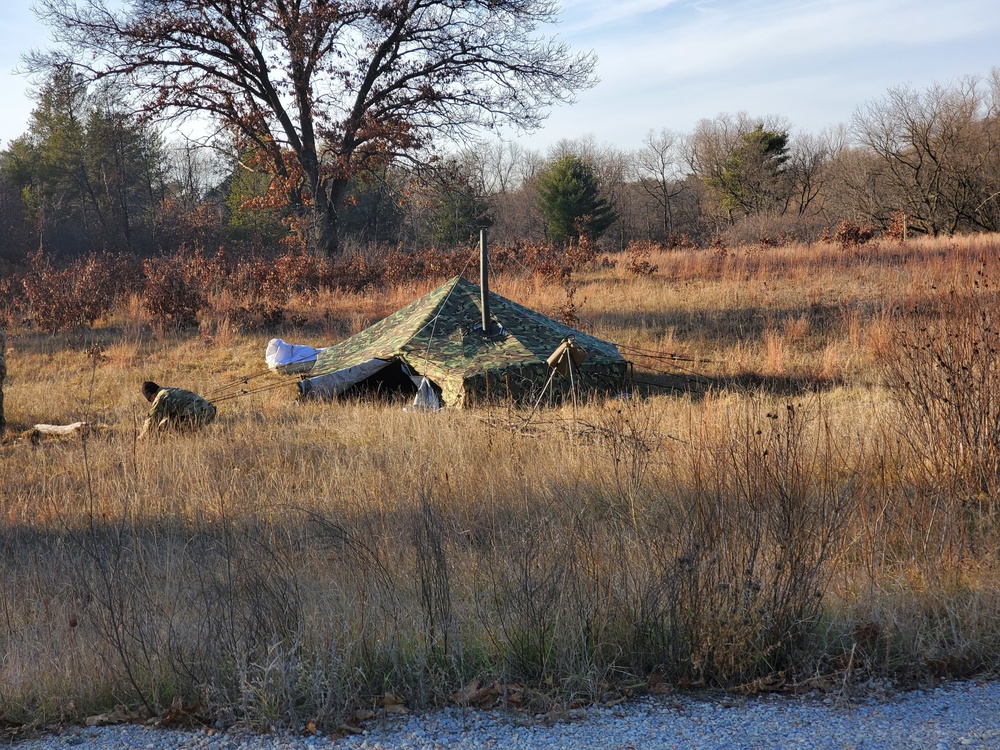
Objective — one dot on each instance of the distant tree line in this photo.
(92, 174)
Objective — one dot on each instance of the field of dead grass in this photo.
(800, 495)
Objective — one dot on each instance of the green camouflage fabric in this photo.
(440, 336)
(176, 408)
(3, 376)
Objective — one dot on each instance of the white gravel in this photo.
(957, 715)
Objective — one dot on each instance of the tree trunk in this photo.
(320, 230)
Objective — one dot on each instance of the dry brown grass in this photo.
(765, 512)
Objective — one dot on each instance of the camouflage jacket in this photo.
(178, 408)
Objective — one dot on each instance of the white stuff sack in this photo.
(289, 358)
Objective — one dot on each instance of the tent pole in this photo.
(484, 281)
(540, 397)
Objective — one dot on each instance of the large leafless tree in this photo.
(658, 168)
(937, 154)
(320, 89)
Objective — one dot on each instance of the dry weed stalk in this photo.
(945, 375)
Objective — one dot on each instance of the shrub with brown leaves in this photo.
(78, 294)
(637, 258)
(849, 235)
(173, 295)
(897, 228)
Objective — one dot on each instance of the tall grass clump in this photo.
(761, 524)
(945, 376)
(920, 581)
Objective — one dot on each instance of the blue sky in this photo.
(670, 63)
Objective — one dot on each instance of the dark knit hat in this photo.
(150, 389)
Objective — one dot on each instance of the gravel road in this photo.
(956, 715)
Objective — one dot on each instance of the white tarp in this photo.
(289, 358)
(333, 384)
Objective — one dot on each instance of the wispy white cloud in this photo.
(583, 16)
(667, 63)
(752, 34)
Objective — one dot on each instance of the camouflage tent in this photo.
(440, 336)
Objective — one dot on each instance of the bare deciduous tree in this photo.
(807, 169)
(323, 89)
(658, 164)
(938, 153)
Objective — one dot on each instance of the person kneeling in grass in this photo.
(175, 408)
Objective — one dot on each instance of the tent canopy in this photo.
(440, 336)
